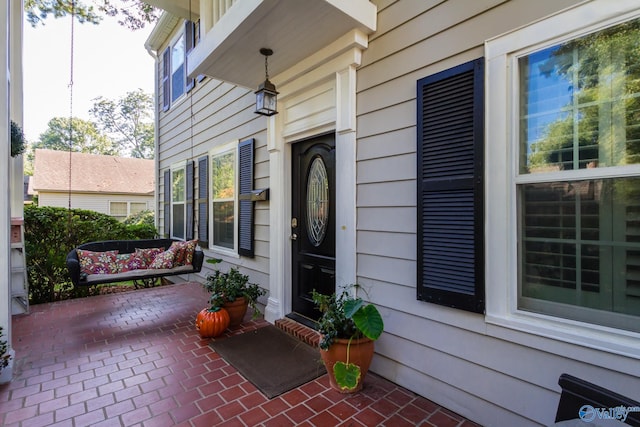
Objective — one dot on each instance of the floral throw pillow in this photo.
(147, 255)
(184, 252)
(163, 260)
(122, 260)
(97, 262)
(136, 262)
(128, 262)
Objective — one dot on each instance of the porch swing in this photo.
(115, 261)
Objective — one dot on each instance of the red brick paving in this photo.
(135, 359)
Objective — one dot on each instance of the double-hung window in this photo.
(178, 202)
(570, 140)
(224, 202)
(175, 82)
(225, 215)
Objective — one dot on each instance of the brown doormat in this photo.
(271, 359)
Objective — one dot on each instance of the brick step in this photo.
(299, 331)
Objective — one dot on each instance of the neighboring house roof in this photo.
(91, 173)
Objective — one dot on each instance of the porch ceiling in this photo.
(293, 29)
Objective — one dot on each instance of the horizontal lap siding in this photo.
(429, 343)
(88, 201)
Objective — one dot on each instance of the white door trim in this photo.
(319, 101)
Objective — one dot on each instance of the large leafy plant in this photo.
(346, 317)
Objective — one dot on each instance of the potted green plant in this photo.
(348, 328)
(17, 140)
(234, 293)
(6, 356)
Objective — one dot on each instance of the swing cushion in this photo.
(138, 252)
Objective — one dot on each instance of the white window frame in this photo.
(175, 168)
(130, 207)
(501, 169)
(128, 204)
(213, 153)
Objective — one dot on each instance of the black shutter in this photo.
(450, 187)
(245, 222)
(167, 203)
(190, 202)
(165, 81)
(189, 40)
(203, 201)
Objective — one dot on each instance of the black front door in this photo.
(313, 222)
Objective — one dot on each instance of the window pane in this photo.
(223, 224)
(223, 176)
(177, 218)
(580, 102)
(177, 69)
(223, 180)
(317, 202)
(178, 185)
(581, 246)
(118, 208)
(137, 208)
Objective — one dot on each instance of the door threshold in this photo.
(310, 323)
(299, 330)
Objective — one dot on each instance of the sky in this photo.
(109, 61)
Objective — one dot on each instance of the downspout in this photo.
(156, 145)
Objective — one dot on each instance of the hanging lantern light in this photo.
(266, 95)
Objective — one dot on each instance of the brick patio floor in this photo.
(135, 359)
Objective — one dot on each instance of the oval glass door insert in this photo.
(317, 202)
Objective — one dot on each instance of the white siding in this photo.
(98, 202)
(490, 375)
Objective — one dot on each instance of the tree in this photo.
(128, 121)
(600, 70)
(85, 137)
(134, 14)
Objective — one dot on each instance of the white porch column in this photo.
(279, 302)
(5, 167)
(346, 176)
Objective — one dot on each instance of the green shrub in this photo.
(143, 217)
(50, 233)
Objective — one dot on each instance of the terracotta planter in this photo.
(360, 353)
(237, 309)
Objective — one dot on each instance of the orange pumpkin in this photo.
(211, 323)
